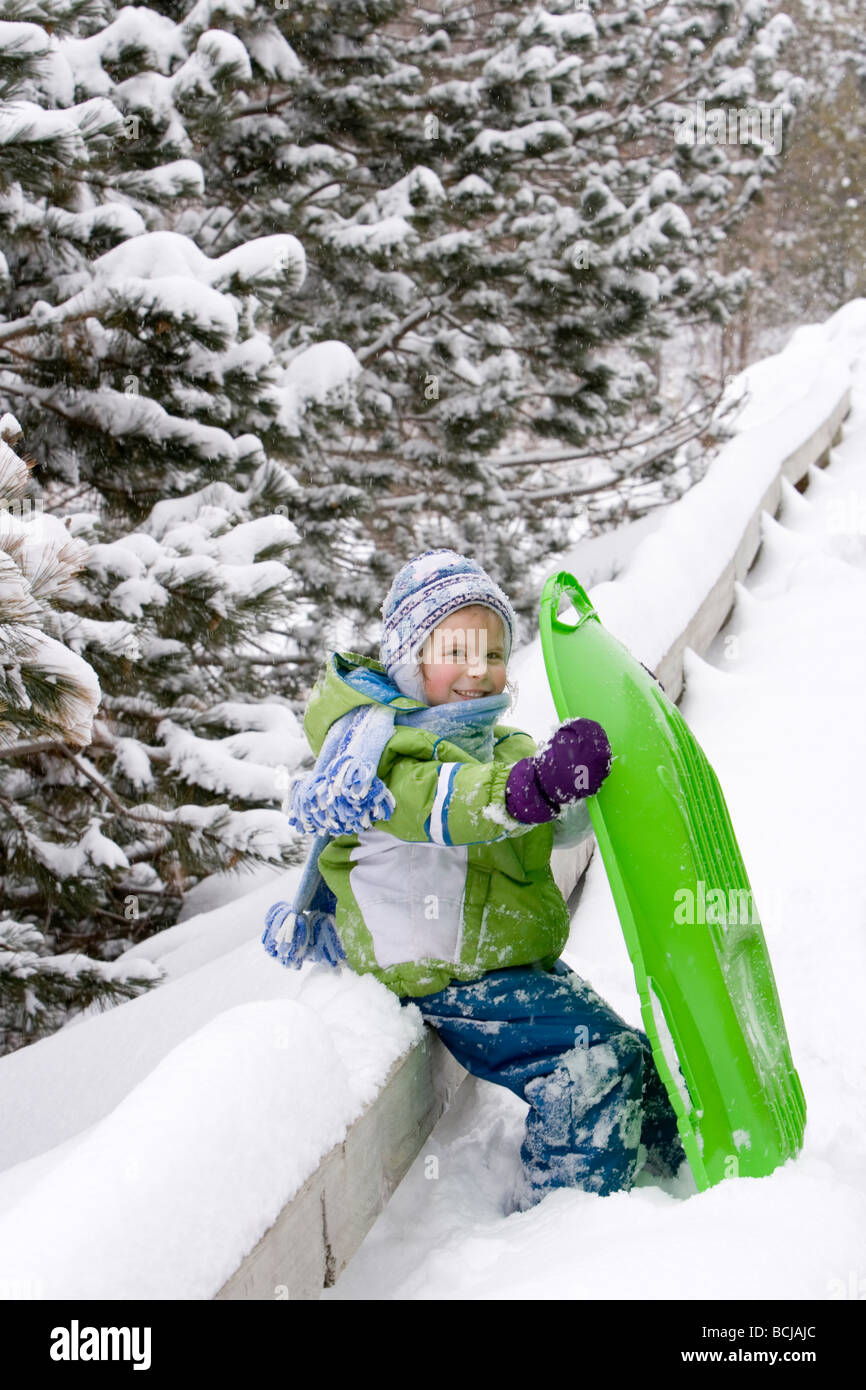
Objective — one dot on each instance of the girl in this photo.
(431, 871)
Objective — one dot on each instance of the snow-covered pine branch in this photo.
(49, 692)
(46, 690)
(39, 991)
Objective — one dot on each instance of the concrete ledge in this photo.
(321, 1227)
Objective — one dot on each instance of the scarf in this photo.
(343, 795)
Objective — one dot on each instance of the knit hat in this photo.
(423, 593)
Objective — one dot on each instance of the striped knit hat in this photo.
(423, 593)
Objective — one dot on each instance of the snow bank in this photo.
(185, 1119)
(175, 1182)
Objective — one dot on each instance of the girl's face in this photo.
(464, 657)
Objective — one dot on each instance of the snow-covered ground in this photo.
(146, 1149)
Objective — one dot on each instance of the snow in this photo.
(132, 762)
(738, 85)
(118, 218)
(180, 544)
(680, 563)
(420, 187)
(234, 1079)
(28, 39)
(73, 861)
(216, 502)
(472, 186)
(184, 1119)
(165, 265)
(522, 140)
(651, 235)
(154, 35)
(311, 375)
(25, 121)
(257, 260)
(119, 414)
(236, 1085)
(274, 55)
(569, 27)
(179, 177)
(381, 236)
(245, 765)
(669, 1050)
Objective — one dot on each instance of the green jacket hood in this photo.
(333, 696)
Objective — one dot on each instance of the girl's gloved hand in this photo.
(572, 766)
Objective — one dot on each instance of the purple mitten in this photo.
(575, 762)
(523, 797)
(573, 765)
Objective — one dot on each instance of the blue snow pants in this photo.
(592, 1086)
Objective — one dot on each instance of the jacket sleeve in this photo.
(451, 802)
(572, 826)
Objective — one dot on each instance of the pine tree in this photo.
(149, 395)
(500, 220)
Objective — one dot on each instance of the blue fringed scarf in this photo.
(343, 794)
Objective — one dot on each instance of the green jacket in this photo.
(451, 886)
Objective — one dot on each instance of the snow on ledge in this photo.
(672, 570)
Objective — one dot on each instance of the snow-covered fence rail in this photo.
(676, 592)
(678, 587)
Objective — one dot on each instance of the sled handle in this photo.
(558, 585)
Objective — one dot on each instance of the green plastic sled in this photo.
(708, 997)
